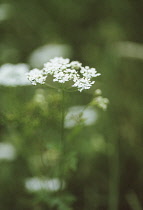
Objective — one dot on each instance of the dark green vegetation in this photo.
(103, 163)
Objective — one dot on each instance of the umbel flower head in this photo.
(63, 71)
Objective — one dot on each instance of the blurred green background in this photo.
(105, 168)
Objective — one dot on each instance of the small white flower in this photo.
(98, 92)
(63, 71)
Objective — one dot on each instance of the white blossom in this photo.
(100, 102)
(63, 71)
(79, 114)
(49, 51)
(36, 184)
(83, 83)
(7, 152)
(98, 92)
(36, 76)
(14, 75)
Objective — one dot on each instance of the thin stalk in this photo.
(50, 86)
(62, 136)
(62, 118)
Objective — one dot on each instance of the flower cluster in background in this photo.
(36, 184)
(7, 151)
(14, 75)
(80, 114)
(43, 53)
(5, 11)
(99, 101)
(63, 71)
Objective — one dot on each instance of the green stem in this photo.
(50, 86)
(63, 118)
(62, 137)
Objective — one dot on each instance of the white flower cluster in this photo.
(7, 152)
(44, 53)
(14, 75)
(99, 100)
(36, 76)
(36, 184)
(77, 115)
(63, 71)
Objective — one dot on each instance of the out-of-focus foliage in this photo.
(103, 163)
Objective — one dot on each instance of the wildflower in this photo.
(98, 92)
(63, 71)
(99, 101)
(36, 76)
(14, 75)
(78, 114)
(46, 52)
(36, 184)
(7, 152)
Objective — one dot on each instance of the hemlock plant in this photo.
(69, 76)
